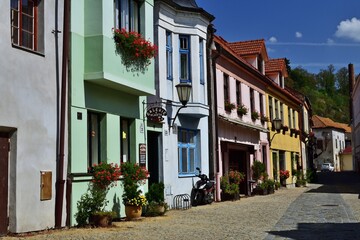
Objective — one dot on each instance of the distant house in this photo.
(331, 140)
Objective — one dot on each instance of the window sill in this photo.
(28, 50)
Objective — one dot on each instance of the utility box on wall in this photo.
(45, 185)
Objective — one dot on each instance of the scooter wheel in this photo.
(193, 198)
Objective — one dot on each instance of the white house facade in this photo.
(178, 146)
(30, 65)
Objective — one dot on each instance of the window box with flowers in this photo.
(92, 204)
(263, 118)
(133, 199)
(229, 106)
(135, 51)
(255, 115)
(242, 110)
(284, 129)
(294, 131)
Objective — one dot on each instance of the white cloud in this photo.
(273, 40)
(298, 34)
(349, 29)
(330, 41)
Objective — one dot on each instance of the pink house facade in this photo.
(242, 134)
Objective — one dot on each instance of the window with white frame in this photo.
(277, 109)
(238, 93)
(252, 100)
(271, 115)
(201, 61)
(261, 101)
(127, 14)
(226, 88)
(294, 118)
(169, 57)
(184, 49)
(282, 113)
(188, 151)
(27, 24)
(95, 137)
(289, 117)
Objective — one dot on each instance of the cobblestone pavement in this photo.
(324, 211)
(328, 210)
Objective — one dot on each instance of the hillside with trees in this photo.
(328, 91)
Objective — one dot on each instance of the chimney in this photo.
(351, 86)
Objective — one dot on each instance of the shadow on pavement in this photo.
(338, 182)
(321, 231)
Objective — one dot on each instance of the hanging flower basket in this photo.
(135, 51)
(255, 115)
(242, 110)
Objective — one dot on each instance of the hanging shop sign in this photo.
(155, 114)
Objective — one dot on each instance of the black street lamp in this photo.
(276, 125)
(183, 91)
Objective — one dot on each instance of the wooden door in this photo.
(4, 162)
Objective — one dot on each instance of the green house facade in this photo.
(105, 107)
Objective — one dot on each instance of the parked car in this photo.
(327, 167)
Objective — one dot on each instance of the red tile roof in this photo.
(246, 48)
(276, 65)
(322, 122)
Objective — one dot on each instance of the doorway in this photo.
(4, 175)
(237, 162)
(154, 156)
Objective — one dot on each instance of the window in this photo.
(282, 163)
(27, 24)
(226, 88)
(125, 139)
(294, 118)
(188, 151)
(261, 101)
(127, 14)
(238, 93)
(260, 63)
(94, 138)
(271, 108)
(184, 59)
(291, 125)
(252, 100)
(201, 59)
(169, 72)
(282, 113)
(276, 108)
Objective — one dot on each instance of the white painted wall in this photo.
(193, 117)
(28, 105)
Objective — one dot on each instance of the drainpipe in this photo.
(60, 182)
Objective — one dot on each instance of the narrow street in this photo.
(326, 210)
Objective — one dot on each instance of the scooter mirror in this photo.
(198, 169)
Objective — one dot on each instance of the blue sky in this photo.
(311, 33)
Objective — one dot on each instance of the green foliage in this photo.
(258, 169)
(328, 91)
(156, 193)
(311, 175)
(94, 200)
(227, 187)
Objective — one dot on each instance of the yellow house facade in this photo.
(285, 144)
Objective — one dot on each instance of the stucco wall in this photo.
(28, 105)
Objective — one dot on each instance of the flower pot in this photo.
(100, 220)
(133, 212)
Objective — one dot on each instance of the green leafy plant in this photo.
(156, 193)
(93, 202)
(255, 115)
(242, 110)
(133, 177)
(258, 169)
(229, 183)
(264, 118)
(229, 106)
(135, 51)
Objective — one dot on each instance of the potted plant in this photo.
(277, 185)
(92, 204)
(229, 106)
(284, 174)
(156, 201)
(229, 185)
(258, 169)
(133, 177)
(242, 110)
(135, 51)
(300, 179)
(255, 115)
(270, 186)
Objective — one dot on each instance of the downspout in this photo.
(213, 119)
(60, 182)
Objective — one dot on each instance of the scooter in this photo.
(203, 190)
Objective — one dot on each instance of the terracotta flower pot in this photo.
(133, 212)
